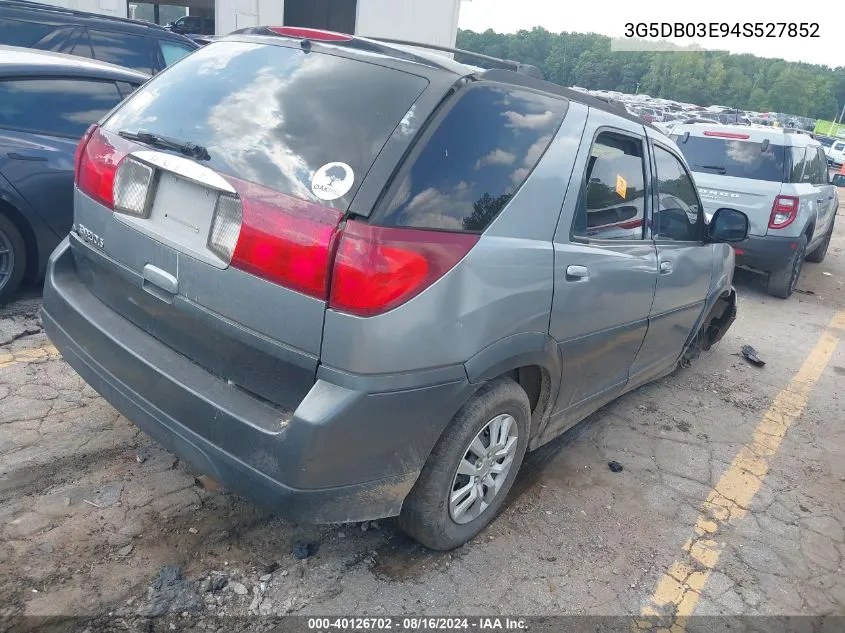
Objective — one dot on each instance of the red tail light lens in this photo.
(98, 160)
(285, 240)
(311, 34)
(77, 157)
(378, 268)
(784, 212)
(737, 135)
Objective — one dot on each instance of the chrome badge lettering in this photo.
(89, 236)
(713, 193)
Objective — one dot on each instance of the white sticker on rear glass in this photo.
(332, 181)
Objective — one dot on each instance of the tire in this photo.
(817, 255)
(782, 282)
(426, 514)
(12, 259)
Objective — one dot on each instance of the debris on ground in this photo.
(615, 466)
(305, 550)
(751, 354)
(170, 592)
(827, 274)
(804, 292)
(207, 483)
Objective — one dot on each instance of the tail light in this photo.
(379, 268)
(737, 135)
(279, 238)
(77, 158)
(98, 158)
(311, 34)
(784, 212)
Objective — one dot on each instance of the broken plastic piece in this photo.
(615, 466)
(751, 354)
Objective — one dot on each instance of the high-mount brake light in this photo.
(318, 35)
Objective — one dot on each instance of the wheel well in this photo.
(809, 232)
(536, 382)
(27, 234)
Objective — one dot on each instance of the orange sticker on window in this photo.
(621, 186)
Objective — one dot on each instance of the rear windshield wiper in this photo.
(156, 140)
(716, 168)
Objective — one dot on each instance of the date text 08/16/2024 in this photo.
(415, 624)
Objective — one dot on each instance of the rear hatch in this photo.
(733, 171)
(208, 206)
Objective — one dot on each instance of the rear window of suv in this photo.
(733, 157)
(275, 115)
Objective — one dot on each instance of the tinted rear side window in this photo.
(475, 160)
(734, 157)
(172, 52)
(131, 51)
(274, 115)
(20, 33)
(56, 107)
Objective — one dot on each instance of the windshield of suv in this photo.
(276, 116)
(733, 157)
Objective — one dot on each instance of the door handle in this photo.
(160, 283)
(821, 200)
(576, 272)
(666, 268)
(16, 156)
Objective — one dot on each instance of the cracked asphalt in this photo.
(92, 509)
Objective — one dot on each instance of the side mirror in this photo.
(728, 225)
(838, 180)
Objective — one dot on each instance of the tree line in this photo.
(701, 77)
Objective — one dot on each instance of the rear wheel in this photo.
(468, 474)
(782, 282)
(817, 255)
(12, 259)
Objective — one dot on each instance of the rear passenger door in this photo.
(605, 268)
(825, 193)
(684, 265)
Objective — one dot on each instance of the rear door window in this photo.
(480, 153)
(56, 107)
(123, 49)
(799, 164)
(172, 52)
(278, 116)
(22, 33)
(611, 205)
(678, 215)
(738, 158)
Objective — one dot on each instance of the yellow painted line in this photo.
(677, 593)
(27, 355)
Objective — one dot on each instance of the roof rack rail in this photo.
(509, 64)
(53, 8)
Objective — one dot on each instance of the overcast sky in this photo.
(609, 17)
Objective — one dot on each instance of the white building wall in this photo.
(116, 8)
(425, 21)
(428, 21)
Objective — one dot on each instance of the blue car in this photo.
(47, 101)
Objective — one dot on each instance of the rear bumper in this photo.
(766, 253)
(346, 454)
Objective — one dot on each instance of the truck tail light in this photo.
(784, 212)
